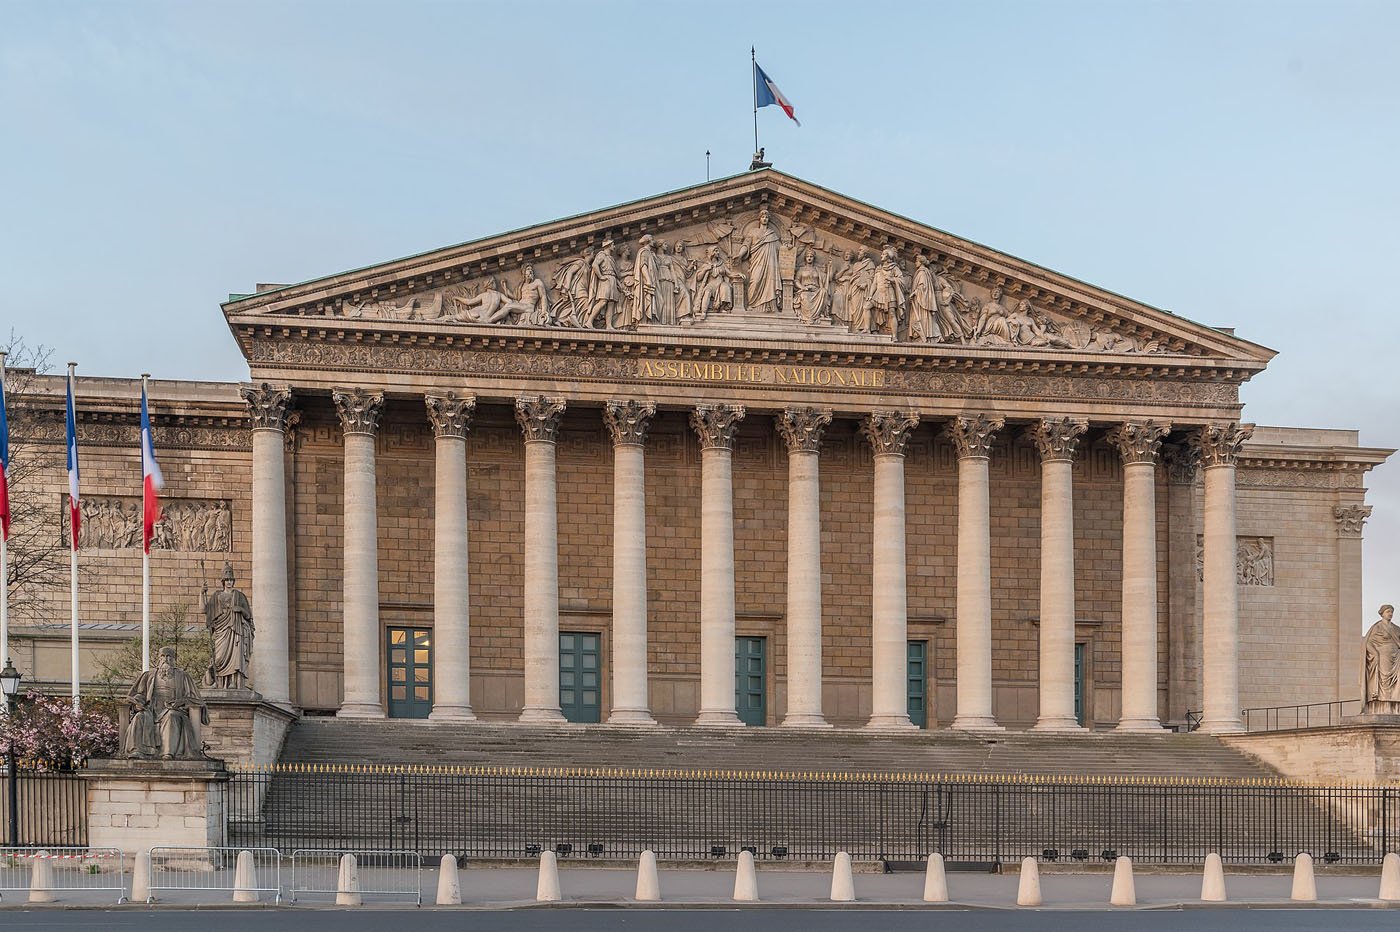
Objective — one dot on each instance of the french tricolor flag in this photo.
(765, 92)
(4, 463)
(151, 480)
(75, 511)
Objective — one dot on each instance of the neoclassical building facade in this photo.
(749, 453)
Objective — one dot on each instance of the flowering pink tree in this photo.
(47, 734)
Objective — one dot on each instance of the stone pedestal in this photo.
(245, 729)
(135, 804)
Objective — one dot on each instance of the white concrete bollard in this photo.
(746, 879)
(648, 883)
(41, 879)
(141, 877)
(245, 879)
(347, 886)
(843, 883)
(449, 892)
(547, 889)
(1213, 881)
(1028, 890)
(935, 880)
(1124, 892)
(1304, 883)
(1390, 877)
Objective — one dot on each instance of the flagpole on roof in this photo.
(4, 532)
(753, 74)
(74, 519)
(145, 547)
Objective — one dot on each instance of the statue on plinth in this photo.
(162, 703)
(229, 619)
(1383, 666)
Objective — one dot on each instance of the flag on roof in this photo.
(765, 93)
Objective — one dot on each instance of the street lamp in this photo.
(9, 683)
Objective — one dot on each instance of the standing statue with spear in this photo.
(229, 618)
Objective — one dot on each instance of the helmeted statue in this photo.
(162, 702)
(229, 619)
(1383, 665)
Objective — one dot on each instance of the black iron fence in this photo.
(52, 808)
(1308, 715)
(485, 812)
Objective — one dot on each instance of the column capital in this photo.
(1139, 441)
(359, 410)
(972, 434)
(716, 425)
(1350, 519)
(291, 432)
(539, 417)
(628, 421)
(888, 431)
(1219, 445)
(267, 406)
(1182, 461)
(450, 415)
(802, 428)
(1057, 437)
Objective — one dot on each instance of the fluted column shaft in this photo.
(450, 417)
(889, 635)
(1057, 438)
(802, 429)
(716, 425)
(539, 419)
(1351, 518)
(627, 422)
(270, 661)
(1219, 450)
(359, 417)
(972, 436)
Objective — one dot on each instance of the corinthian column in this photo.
(539, 419)
(1219, 449)
(359, 412)
(889, 610)
(1138, 442)
(268, 408)
(802, 429)
(450, 417)
(627, 422)
(716, 425)
(1056, 439)
(972, 436)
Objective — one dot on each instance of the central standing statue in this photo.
(229, 619)
(760, 247)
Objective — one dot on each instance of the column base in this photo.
(1146, 726)
(541, 716)
(805, 720)
(975, 723)
(452, 713)
(719, 718)
(1226, 726)
(1060, 726)
(631, 717)
(360, 710)
(890, 723)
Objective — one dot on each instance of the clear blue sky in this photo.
(1233, 162)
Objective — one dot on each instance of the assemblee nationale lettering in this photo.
(675, 370)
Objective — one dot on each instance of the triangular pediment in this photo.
(758, 257)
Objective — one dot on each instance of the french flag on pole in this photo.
(765, 93)
(75, 511)
(4, 463)
(151, 480)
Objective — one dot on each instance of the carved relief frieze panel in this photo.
(1254, 560)
(186, 525)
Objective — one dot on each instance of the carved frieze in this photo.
(1351, 519)
(1219, 445)
(1057, 437)
(539, 417)
(628, 420)
(1138, 441)
(716, 425)
(1254, 560)
(186, 525)
(888, 431)
(267, 406)
(802, 428)
(450, 415)
(358, 410)
(972, 435)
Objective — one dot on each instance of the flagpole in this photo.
(753, 75)
(145, 556)
(73, 571)
(4, 556)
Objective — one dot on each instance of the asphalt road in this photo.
(769, 919)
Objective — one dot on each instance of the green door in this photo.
(1079, 683)
(410, 672)
(750, 667)
(918, 683)
(579, 694)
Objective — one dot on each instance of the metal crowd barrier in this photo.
(72, 870)
(176, 869)
(316, 871)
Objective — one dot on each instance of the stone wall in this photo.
(1344, 754)
(134, 810)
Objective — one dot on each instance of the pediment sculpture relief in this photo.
(753, 269)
